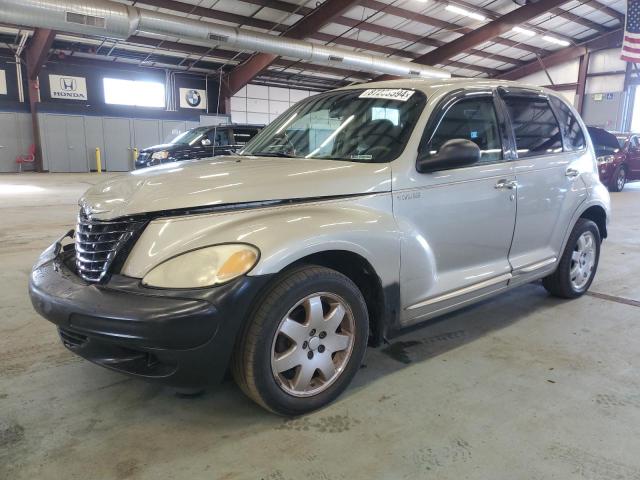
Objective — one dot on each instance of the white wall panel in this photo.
(258, 118)
(257, 105)
(257, 91)
(605, 84)
(606, 61)
(239, 117)
(239, 104)
(277, 93)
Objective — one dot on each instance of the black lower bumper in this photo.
(183, 338)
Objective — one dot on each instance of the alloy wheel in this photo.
(313, 344)
(621, 180)
(583, 260)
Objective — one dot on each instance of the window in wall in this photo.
(535, 126)
(473, 119)
(134, 93)
(573, 135)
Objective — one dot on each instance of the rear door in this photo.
(549, 187)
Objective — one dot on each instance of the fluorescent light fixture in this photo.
(555, 40)
(524, 31)
(465, 12)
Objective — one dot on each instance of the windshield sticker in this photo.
(399, 94)
(361, 157)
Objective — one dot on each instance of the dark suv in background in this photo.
(200, 142)
(618, 157)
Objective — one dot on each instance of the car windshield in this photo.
(190, 137)
(370, 126)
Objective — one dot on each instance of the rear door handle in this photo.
(506, 184)
(572, 173)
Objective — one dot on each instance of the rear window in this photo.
(535, 126)
(604, 143)
(573, 134)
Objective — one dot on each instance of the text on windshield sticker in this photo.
(399, 94)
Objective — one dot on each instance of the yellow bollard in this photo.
(98, 160)
(135, 155)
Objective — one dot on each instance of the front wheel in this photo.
(304, 343)
(578, 263)
(619, 179)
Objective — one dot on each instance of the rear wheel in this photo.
(578, 263)
(619, 179)
(304, 343)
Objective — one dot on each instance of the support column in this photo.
(36, 55)
(583, 71)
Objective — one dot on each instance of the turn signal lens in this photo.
(204, 267)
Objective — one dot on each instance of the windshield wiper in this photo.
(271, 154)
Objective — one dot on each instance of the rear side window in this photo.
(535, 126)
(472, 119)
(573, 135)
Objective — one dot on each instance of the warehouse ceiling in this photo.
(433, 32)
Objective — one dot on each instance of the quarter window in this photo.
(473, 119)
(573, 135)
(535, 126)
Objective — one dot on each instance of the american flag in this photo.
(631, 44)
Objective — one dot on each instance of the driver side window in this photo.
(472, 119)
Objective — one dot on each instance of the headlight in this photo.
(161, 155)
(605, 159)
(204, 267)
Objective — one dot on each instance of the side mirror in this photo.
(457, 152)
(206, 142)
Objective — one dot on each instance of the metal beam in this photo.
(37, 51)
(391, 32)
(612, 12)
(489, 31)
(36, 55)
(583, 71)
(435, 22)
(612, 39)
(314, 21)
(214, 14)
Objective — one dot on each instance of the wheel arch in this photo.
(598, 215)
(382, 301)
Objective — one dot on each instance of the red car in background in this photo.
(618, 157)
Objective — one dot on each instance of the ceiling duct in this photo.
(104, 18)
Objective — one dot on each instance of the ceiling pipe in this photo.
(104, 18)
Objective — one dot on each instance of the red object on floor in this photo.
(28, 158)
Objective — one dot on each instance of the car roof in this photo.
(430, 85)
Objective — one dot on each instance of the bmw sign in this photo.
(193, 98)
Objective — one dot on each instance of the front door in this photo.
(633, 158)
(457, 223)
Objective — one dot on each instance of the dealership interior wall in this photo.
(72, 129)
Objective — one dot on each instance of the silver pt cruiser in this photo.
(357, 213)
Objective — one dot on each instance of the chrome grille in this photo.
(97, 244)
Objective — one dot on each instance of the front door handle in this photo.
(506, 184)
(572, 173)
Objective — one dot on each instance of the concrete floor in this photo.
(520, 387)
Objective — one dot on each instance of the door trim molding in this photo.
(535, 266)
(462, 291)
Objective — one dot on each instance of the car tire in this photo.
(326, 322)
(578, 264)
(619, 179)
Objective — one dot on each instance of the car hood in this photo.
(231, 180)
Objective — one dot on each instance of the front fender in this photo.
(362, 225)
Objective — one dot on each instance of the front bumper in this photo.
(605, 171)
(182, 338)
